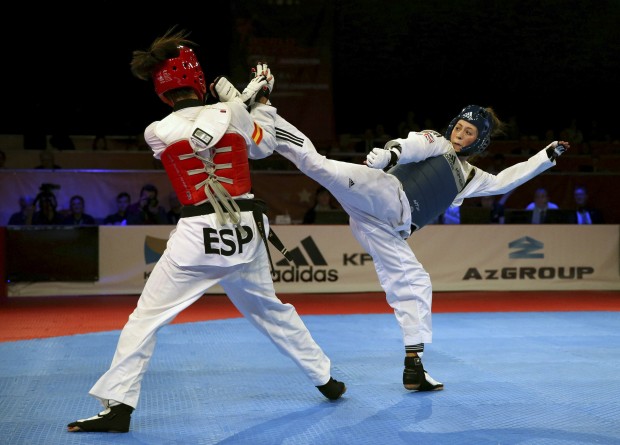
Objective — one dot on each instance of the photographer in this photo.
(47, 203)
(147, 210)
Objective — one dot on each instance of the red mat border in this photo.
(23, 318)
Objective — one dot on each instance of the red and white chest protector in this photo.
(193, 176)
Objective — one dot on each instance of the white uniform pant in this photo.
(380, 219)
(170, 289)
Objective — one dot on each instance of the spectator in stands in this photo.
(26, 211)
(76, 215)
(493, 203)
(47, 159)
(540, 205)
(100, 143)
(2, 159)
(487, 210)
(174, 214)
(323, 201)
(147, 210)
(496, 207)
(119, 218)
(46, 213)
(584, 214)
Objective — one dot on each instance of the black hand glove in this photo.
(555, 149)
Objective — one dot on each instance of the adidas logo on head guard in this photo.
(482, 120)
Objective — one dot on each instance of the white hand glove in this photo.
(378, 158)
(248, 96)
(264, 70)
(386, 157)
(261, 84)
(224, 91)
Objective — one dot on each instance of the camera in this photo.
(48, 188)
(46, 194)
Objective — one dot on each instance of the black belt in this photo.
(258, 208)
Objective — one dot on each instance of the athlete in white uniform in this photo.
(409, 183)
(217, 241)
(385, 207)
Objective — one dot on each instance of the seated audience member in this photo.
(46, 213)
(174, 214)
(323, 201)
(119, 218)
(584, 214)
(495, 208)
(540, 205)
(46, 157)
(26, 211)
(147, 210)
(76, 216)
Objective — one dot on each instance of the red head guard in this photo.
(183, 71)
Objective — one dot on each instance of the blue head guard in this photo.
(482, 120)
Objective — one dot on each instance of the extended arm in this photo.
(484, 184)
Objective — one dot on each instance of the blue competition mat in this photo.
(511, 378)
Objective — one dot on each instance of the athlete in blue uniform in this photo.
(403, 187)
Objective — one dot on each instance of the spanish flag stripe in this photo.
(257, 135)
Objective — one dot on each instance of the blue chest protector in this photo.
(430, 185)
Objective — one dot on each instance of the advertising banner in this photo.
(330, 260)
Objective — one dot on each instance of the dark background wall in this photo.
(546, 62)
